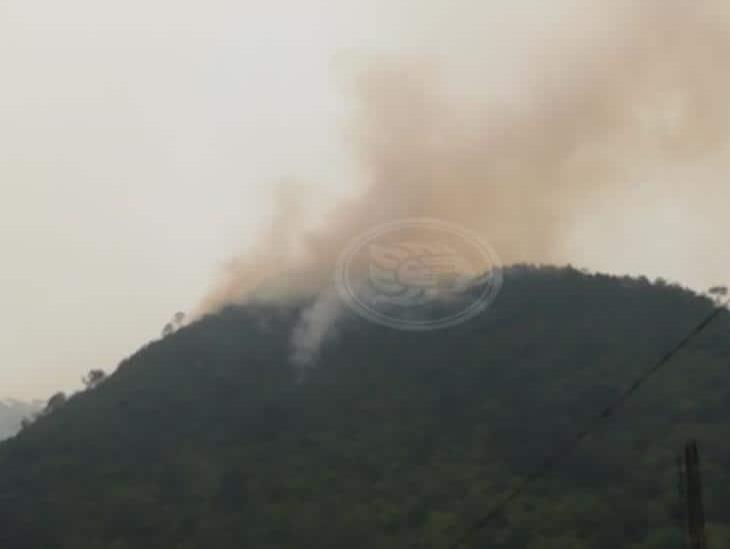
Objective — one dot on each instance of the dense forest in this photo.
(209, 439)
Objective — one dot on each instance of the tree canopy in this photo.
(209, 438)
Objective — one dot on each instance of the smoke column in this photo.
(634, 93)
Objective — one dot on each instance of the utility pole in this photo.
(691, 487)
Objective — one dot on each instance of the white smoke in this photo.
(314, 325)
(632, 91)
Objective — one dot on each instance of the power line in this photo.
(551, 461)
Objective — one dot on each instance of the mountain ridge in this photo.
(393, 439)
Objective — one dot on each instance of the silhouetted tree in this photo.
(175, 324)
(93, 378)
(55, 402)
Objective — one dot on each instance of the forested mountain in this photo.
(208, 439)
(12, 413)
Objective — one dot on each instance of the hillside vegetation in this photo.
(208, 439)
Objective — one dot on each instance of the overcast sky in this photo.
(140, 142)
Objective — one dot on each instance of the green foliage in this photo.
(209, 438)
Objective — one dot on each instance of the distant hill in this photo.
(12, 412)
(206, 439)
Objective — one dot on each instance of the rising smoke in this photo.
(623, 95)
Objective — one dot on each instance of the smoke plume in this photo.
(633, 94)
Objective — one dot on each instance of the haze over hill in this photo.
(145, 144)
(140, 146)
(635, 116)
(12, 413)
(209, 438)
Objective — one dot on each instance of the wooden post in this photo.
(695, 508)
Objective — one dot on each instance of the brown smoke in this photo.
(595, 113)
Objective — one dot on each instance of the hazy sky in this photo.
(138, 142)
(141, 142)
